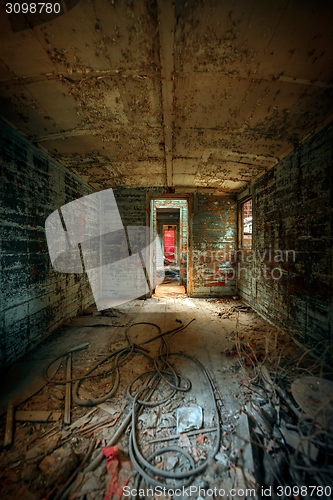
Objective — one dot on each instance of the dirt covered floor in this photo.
(169, 397)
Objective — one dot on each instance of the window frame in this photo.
(241, 243)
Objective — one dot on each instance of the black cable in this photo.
(163, 371)
(132, 348)
(142, 465)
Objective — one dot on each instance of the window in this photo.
(245, 224)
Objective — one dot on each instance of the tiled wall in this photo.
(35, 299)
(292, 208)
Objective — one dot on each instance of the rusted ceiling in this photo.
(192, 95)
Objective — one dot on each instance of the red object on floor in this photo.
(114, 489)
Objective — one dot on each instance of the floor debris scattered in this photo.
(186, 397)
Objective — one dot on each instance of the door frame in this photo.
(151, 222)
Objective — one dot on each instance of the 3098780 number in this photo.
(304, 491)
(32, 8)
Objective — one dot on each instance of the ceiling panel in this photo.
(130, 34)
(196, 93)
(73, 43)
(20, 108)
(55, 99)
(205, 100)
(193, 143)
(300, 47)
(21, 52)
(228, 37)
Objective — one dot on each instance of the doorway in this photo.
(169, 221)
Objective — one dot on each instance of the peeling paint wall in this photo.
(133, 205)
(212, 237)
(292, 206)
(35, 299)
(214, 240)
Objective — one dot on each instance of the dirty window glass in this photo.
(246, 224)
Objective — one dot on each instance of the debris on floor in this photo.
(163, 403)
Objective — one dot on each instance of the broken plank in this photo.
(82, 420)
(37, 416)
(103, 406)
(268, 383)
(242, 443)
(67, 415)
(177, 436)
(100, 425)
(296, 441)
(9, 431)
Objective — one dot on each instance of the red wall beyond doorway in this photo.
(169, 244)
